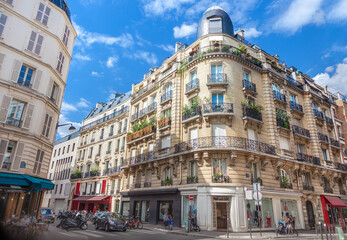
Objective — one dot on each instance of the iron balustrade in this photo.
(134, 116)
(94, 173)
(252, 113)
(249, 85)
(329, 121)
(192, 179)
(147, 184)
(283, 124)
(217, 78)
(218, 108)
(167, 182)
(192, 85)
(308, 159)
(296, 106)
(110, 134)
(328, 189)
(334, 143)
(318, 114)
(279, 96)
(287, 185)
(342, 192)
(301, 131)
(323, 138)
(76, 175)
(166, 96)
(137, 185)
(143, 90)
(105, 118)
(145, 157)
(341, 166)
(307, 187)
(14, 122)
(191, 113)
(295, 83)
(152, 107)
(86, 174)
(220, 179)
(143, 112)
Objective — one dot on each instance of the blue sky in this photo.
(119, 40)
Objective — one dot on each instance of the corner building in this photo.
(220, 115)
(36, 43)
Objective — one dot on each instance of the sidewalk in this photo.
(303, 234)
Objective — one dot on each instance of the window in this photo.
(306, 179)
(61, 188)
(38, 162)
(15, 113)
(344, 150)
(35, 43)
(73, 147)
(301, 148)
(217, 99)
(90, 152)
(254, 171)
(55, 152)
(102, 133)
(219, 166)
(63, 150)
(293, 98)
(43, 14)
(68, 149)
(111, 130)
(8, 156)
(276, 88)
(60, 62)
(3, 19)
(167, 173)
(215, 25)
(52, 165)
(55, 93)
(166, 142)
(9, 1)
(339, 131)
(216, 73)
(247, 76)
(167, 113)
(118, 144)
(218, 135)
(123, 143)
(192, 169)
(58, 151)
(193, 80)
(47, 126)
(109, 147)
(66, 35)
(325, 153)
(284, 143)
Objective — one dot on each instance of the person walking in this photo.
(166, 220)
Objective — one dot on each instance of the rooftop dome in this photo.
(215, 20)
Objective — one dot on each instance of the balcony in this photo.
(14, 122)
(283, 124)
(342, 192)
(302, 132)
(308, 159)
(192, 179)
(249, 87)
(167, 182)
(162, 123)
(106, 118)
(329, 121)
(256, 180)
(86, 174)
(110, 134)
(76, 175)
(143, 112)
(166, 97)
(152, 107)
(294, 83)
(94, 173)
(218, 79)
(279, 96)
(286, 185)
(141, 158)
(296, 107)
(137, 185)
(323, 138)
(191, 113)
(328, 189)
(220, 178)
(307, 187)
(147, 184)
(334, 143)
(192, 85)
(340, 166)
(318, 114)
(249, 112)
(147, 131)
(134, 117)
(218, 109)
(144, 90)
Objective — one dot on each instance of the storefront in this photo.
(91, 203)
(151, 205)
(332, 210)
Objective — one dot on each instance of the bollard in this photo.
(321, 230)
(326, 231)
(250, 228)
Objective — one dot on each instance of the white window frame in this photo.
(66, 35)
(35, 42)
(3, 20)
(43, 13)
(60, 63)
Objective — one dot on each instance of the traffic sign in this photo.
(191, 197)
(257, 196)
(249, 195)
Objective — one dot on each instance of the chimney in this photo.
(98, 104)
(178, 45)
(240, 35)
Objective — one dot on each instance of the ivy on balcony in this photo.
(141, 129)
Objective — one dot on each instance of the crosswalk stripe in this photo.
(70, 234)
(90, 234)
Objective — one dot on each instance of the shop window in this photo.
(125, 208)
(290, 208)
(165, 207)
(261, 214)
(189, 207)
(145, 211)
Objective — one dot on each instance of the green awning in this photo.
(25, 180)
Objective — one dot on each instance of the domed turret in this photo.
(215, 20)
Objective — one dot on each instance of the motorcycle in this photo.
(68, 222)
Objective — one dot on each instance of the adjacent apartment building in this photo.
(62, 162)
(97, 177)
(218, 116)
(341, 123)
(36, 42)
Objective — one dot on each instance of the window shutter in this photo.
(18, 157)
(46, 15)
(3, 146)
(40, 162)
(40, 12)
(6, 101)
(36, 161)
(45, 125)
(48, 125)
(103, 188)
(3, 19)
(57, 96)
(2, 56)
(37, 81)
(28, 116)
(15, 71)
(39, 44)
(50, 86)
(32, 41)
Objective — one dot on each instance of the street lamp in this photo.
(71, 128)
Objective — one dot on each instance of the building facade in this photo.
(62, 162)
(36, 42)
(96, 180)
(341, 123)
(220, 115)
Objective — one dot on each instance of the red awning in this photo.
(90, 198)
(335, 201)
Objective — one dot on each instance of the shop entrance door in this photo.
(221, 216)
(310, 215)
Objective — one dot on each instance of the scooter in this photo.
(67, 223)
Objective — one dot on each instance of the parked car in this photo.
(96, 217)
(47, 215)
(110, 221)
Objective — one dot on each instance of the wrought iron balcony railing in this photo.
(329, 121)
(286, 185)
(252, 113)
(134, 116)
(218, 108)
(294, 83)
(308, 159)
(279, 96)
(152, 107)
(192, 112)
(166, 96)
(323, 138)
(283, 124)
(147, 184)
(296, 106)
(249, 85)
(218, 78)
(328, 189)
(334, 143)
(307, 187)
(193, 84)
(192, 179)
(318, 114)
(220, 179)
(301, 131)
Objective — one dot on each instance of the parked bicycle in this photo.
(134, 222)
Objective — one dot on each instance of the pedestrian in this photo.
(170, 221)
(166, 220)
(292, 223)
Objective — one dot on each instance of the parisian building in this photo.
(341, 123)
(96, 180)
(220, 115)
(62, 162)
(36, 42)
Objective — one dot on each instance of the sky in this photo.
(120, 40)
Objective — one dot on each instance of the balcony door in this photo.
(133, 155)
(217, 101)
(216, 73)
(194, 138)
(145, 105)
(219, 135)
(251, 139)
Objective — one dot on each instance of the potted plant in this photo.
(191, 53)
(167, 181)
(283, 117)
(225, 48)
(285, 182)
(95, 170)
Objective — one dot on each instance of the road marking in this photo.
(90, 234)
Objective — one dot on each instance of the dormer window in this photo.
(215, 25)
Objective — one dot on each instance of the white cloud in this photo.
(252, 33)
(330, 69)
(95, 74)
(83, 103)
(64, 130)
(336, 80)
(80, 57)
(161, 7)
(67, 107)
(298, 14)
(111, 61)
(150, 58)
(85, 38)
(185, 30)
(168, 48)
(339, 11)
